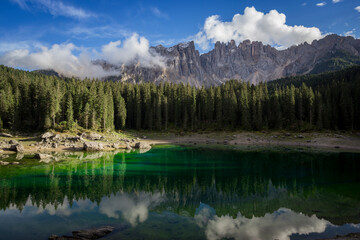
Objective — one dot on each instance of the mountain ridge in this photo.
(248, 61)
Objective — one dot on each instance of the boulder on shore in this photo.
(93, 146)
(47, 135)
(13, 142)
(5, 135)
(116, 145)
(86, 234)
(92, 136)
(142, 145)
(17, 148)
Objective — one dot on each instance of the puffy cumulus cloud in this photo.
(134, 49)
(336, 1)
(357, 8)
(63, 58)
(278, 225)
(269, 28)
(60, 57)
(133, 208)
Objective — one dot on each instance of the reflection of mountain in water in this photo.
(252, 183)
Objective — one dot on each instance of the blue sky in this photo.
(91, 24)
(166, 22)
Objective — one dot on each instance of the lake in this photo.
(184, 192)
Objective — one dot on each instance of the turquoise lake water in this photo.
(184, 192)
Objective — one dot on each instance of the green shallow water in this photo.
(183, 192)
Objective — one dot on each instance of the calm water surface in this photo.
(173, 192)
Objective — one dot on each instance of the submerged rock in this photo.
(93, 146)
(8, 163)
(88, 234)
(19, 156)
(142, 145)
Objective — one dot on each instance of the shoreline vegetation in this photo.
(321, 111)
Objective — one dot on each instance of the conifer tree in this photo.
(86, 115)
(121, 112)
(69, 112)
(218, 108)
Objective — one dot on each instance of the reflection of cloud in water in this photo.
(279, 225)
(133, 208)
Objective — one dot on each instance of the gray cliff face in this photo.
(249, 61)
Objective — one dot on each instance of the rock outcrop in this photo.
(93, 146)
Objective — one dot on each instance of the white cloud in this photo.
(55, 8)
(156, 11)
(134, 49)
(133, 208)
(279, 225)
(336, 1)
(321, 4)
(350, 33)
(357, 8)
(62, 57)
(269, 28)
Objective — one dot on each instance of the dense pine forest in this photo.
(31, 101)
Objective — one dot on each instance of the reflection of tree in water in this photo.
(253, 183)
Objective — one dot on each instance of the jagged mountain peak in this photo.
(250, 61)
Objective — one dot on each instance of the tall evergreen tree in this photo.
(69, 112)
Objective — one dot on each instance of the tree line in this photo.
(33, 101)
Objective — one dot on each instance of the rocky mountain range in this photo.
(249, 61)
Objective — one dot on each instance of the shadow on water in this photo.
(184, 192)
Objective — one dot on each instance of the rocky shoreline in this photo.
(43, 146)
(51, 142)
